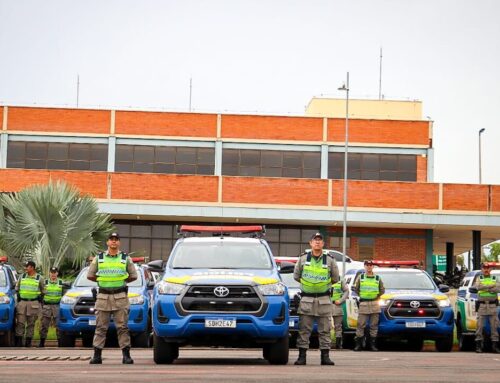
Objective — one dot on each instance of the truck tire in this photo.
(278, 352)
(164, 352)
(465, 342)
(444, 344)
(66, 339)
(87, 339)
(7, 339)
(140, 339)
(415, 343)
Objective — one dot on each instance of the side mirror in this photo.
(473, 290)
(151, 285)
(444, 288)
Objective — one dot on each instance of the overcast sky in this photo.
(265, 56)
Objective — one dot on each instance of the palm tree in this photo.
(51, 223)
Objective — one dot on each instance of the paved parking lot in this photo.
(242, 365)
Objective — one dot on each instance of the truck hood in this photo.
(87, 292)
(215, 276)
(413, 294)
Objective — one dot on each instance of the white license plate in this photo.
(291, 323)
(220, 323)
(415, 324)
(92, 322)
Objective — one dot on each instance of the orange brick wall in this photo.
(421, 169)
(274, 191)
(59, 120)
(166, 124)
(495, 197)
(272, 128)
(465, 197)
(395, 195)
(380, 131)
(164, 187)
(402, 249)
(1, 117)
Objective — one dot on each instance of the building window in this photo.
(164, 159)
(271, 163)
(368, 166)
(365, 248)
(335, 243)
(57, 155)
(289, 241)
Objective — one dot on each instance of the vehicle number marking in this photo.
(92, 322)
(415, 324)
(220, 323)
(291, 323)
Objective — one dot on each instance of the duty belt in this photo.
(315, 295)
(493, 302)
(29, 300)
(104, 290)
(367, 300)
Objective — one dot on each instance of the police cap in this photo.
(485, 265)
(317, 235)
(368, 262)
(54, 269)
(29, 263)
(114, 235)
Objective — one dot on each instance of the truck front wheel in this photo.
(164, 352)
(277, 353)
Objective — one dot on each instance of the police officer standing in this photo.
(112, 270)
(316, 271)
(51, 299)
(30, 291)
(369, 287)
(340, 292)
(488, 288)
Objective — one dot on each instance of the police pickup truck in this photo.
(465, 307)
(220, 291)
(7, 303)
(77, 314)
(413, 308)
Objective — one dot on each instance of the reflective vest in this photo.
(316, 278)
(53, 291)
(337, 291)
(488, 281)
(111, 271)
(30, 287)
(369, 287)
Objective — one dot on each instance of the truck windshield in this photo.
(3, 279)
(82, 281)
(209, 255)
(406, 281)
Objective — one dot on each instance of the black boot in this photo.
(302, 357)
(479, 346)
(97, 358)
(325, 358)
(42, 342)
(126, 356)
(358, 343)
(27, 342)
(18, 341)
(373, 344)
(494, 347)
(338, 343)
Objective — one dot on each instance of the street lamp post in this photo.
(345, 88)
(480, 171)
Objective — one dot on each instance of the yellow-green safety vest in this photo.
(53, 291)
(112, 271)
(316, 278)
(369, 287)
(30, 287)
(337, 291)
(488, 281)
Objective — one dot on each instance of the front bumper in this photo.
(6, 317)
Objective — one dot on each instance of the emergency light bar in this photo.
(4, 259)
(396, 263)
(258, 229)
(279, 260)
(138, 259)
(490, 264)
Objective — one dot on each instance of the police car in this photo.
(413, 308)
(77, 313)
(465, 308)
(7, 303)
(220, 291)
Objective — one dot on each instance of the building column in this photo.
(429, 246)
(450, 264)
(111, 154)
(324, 162)
(476, 249)
(4, 138)
(218, 158)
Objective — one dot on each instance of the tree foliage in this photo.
(494, 252)
(51, 223)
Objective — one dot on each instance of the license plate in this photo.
(291, 323)
(220, 323)
(92, 322)
(415, 324)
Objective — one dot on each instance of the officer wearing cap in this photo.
(340, 292)
(369, 287)
(30, 290)
(112, 270)
(316, 271)
(488, 288)
(51, 299)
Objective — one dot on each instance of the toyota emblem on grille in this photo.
(221, 291)
(414, 304)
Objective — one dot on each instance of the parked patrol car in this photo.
(7, 303)
(465, 308)
(413, 308)
(77, 314)
(220, 291)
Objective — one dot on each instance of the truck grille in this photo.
(84, 306)
(414, 309)
(239, 299)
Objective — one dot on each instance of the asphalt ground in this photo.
(244, 365)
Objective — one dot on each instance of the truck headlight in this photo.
(444, 303)
(383, 302)
(4, 299)
(272, 289)
(68, 300)
(170, 288)
(136, 299)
